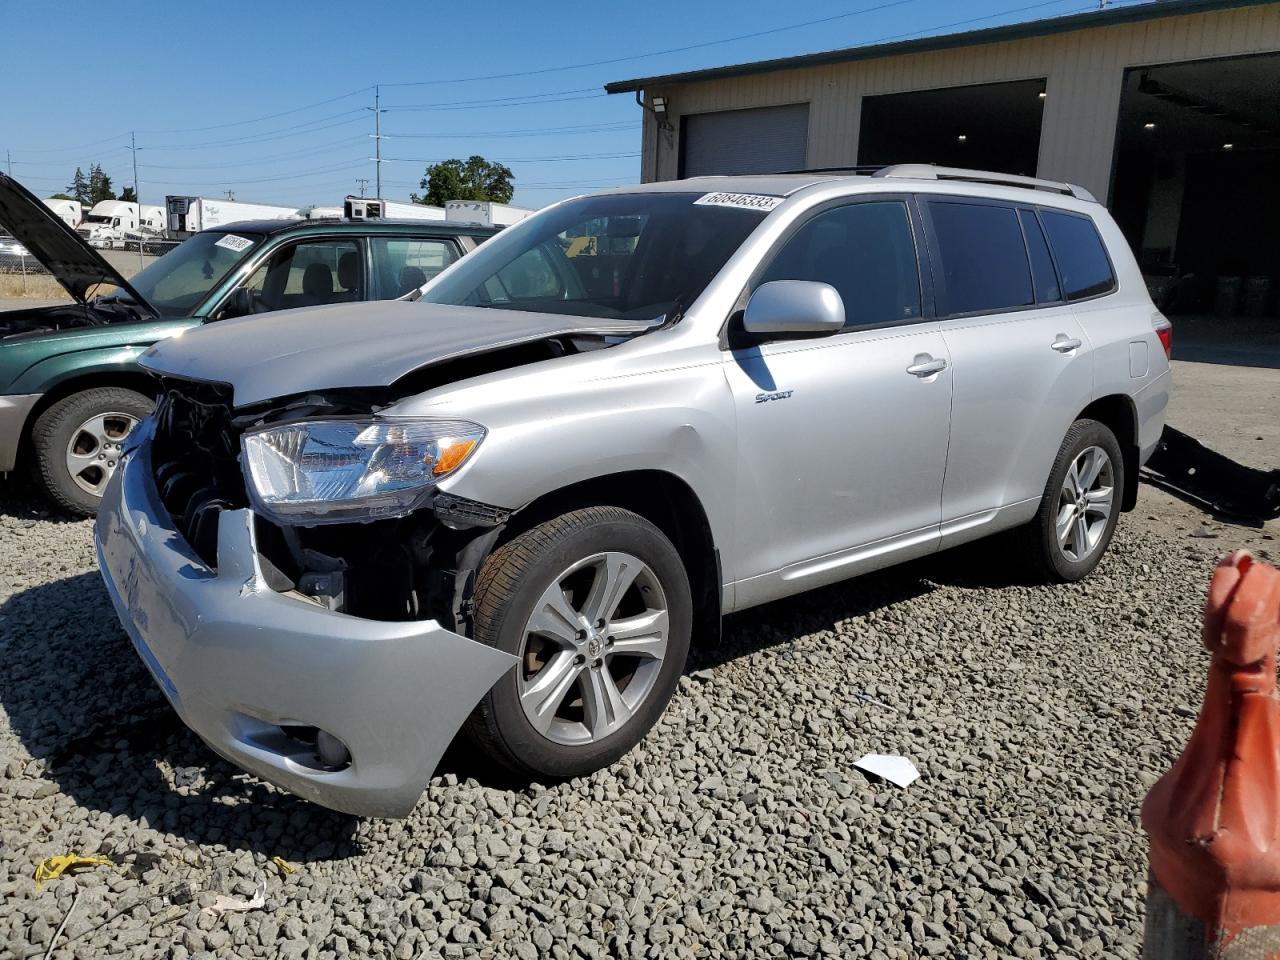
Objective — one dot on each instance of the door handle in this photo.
(1063, 344)
(926, 366)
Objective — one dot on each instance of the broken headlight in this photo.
(334, 471)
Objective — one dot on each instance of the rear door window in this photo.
(867, 252)
(983, 257)
(1082, 258)
(402, 264)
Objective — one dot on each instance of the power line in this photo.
(348, 143)
(585, 156)
(491, 106)
(614, 127)
(657, 53)
(270, 116)
(283, 134)
(347, 165)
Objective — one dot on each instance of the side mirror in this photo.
(240, 304)
(782, 309)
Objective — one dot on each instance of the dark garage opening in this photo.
(1195, 187)
(991, 126)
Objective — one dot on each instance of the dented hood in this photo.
(281, 354)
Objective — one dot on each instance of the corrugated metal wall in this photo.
(1084, 69)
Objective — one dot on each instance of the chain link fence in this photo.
(22, 275)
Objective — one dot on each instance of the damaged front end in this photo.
(415, 566)
(332, 659)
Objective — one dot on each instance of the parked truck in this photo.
(370, 208)
(484, 212)
(118, 224)
(69, 211)
(189, 215)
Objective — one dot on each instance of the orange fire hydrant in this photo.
(1214, 819)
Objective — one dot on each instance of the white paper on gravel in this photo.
(895, 769)
(224, 904)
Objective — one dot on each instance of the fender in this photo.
(37, 365)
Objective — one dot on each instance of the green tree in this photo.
(473, 179)
(99, 185)
(79, 188)
(128, 194)
(62, 196)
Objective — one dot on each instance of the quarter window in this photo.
(1086, 269)
(984, 259)
(867, 252)
(1042, 273)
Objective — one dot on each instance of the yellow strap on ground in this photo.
(55, 867)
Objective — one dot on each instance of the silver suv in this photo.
(508, 508)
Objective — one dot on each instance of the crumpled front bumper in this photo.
(239, 661)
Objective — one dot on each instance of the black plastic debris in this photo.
(1188, 469)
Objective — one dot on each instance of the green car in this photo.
(70, 389)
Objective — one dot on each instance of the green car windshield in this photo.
(179, 282)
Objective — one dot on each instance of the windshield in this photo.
(631, 256)
(178, 282)
(97, 218)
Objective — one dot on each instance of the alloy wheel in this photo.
(593, 648)
(1085, 503)
(93, 452)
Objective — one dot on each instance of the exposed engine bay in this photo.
(64, 316)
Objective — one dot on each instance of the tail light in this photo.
(1164, 330)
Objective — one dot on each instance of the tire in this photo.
(572, 737)
(1051, 559)
(71, 420)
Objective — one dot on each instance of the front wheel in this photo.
(1080, 506)
(596, 606)
(78, 442)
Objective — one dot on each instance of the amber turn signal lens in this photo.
(451, 457)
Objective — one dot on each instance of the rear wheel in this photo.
(596, 606)
(1080, 506)
(78, 442)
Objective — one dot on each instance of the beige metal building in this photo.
(1168, 111)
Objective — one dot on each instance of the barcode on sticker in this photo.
(749, 201)
(234, 243)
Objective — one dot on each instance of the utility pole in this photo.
(361, 183)
(377, 139)
(137, 197)
(9, 159)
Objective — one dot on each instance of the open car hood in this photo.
(73, 263)
(267, 356)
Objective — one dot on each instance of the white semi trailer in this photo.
(188, 215)
(485, 212)
(367, 208)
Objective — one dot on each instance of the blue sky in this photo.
(272, 99)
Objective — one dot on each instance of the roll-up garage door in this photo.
(762, 140)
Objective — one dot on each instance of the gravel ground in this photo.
(1037, 716)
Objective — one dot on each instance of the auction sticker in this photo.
(231, 242)
(749, 201)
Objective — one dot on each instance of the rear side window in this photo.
(1042, 272)
(1082, 259)
(867, 252)
(984, 258)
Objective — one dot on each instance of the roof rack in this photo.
(855, 169)
(927, 171)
